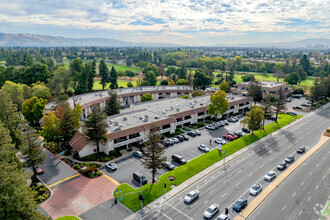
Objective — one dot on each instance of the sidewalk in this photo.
(153, 205)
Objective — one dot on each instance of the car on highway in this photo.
(191, 133)
(289, 159)
(138, 154)
(301, 150)
(38, 170)
(210, 127)
(191, 196)
(203, 148)
(111, 166)
(281, 166)
(219, 141)
(211, 211)
(178, 159)
(175, 140)
(246, 130)
(198, 133)
(255, 189)
(240, 204)
(223, 217)
(270, 176)
(168, 165)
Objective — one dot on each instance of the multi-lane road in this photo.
(225, 186)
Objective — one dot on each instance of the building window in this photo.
(241, 104)
(94, 150)
(166, 126)
(178, 119)
(201, 113)
(118, 140)
(187, 117)
(232, 107)
(131, 136)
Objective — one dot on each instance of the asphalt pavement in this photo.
(304, 194)
(187, 149)
(232, 181)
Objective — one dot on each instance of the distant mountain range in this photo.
(36, 40)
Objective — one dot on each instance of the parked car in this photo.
(178, 159)
(297, 107)
(192, 196)
(246, 130)
(301, 150)
(226, 122)
(211, 211)
(289, 159)
(168, 165)
(223, 216)
(270, 176)
(191, 133)
(305, 105)
(216, 125)
(138, 154)
(185, 137)
(231, 120)
(198, 132)
(180, 137)
(239, 133)
(210, 127)
(292, 113)
(111, 166)
(297, 96)
(288, 100)
(169, 141)
(219, 141)
(144, 151)
(240, 204)
(281, 166)
(235, 118)
(230, 136)
(203, 147)
(175, 140)
(255, 189)
(38, 170)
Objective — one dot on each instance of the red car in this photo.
(230, 136)
(38, 170)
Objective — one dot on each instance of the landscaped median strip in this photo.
(266, 193)
(61, 181)
(184, 172)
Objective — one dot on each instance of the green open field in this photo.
(123, 68)
(121, 83)
(68, 218)
(182, 173)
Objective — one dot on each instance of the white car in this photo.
(198, 133)
(203, 147)
(223, 217)
(175, 140)
(190, 197)
(210, 127)
(270, 175)
(111, 166)
(211, 211)
(219, 141)
(255, 189)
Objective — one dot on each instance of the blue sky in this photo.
(187, 22)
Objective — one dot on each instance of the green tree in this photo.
(130, 74)
(146, 97)
(50, 129)
(254, 118)
(95, 128)
(280, 105)
(32, 151)
(161, 70)
(304, 63)
(255, 91)
(302, 74)
(224, 86)
(36, 73)
(28, 60)
(219, 104)
(91, 76)
(201, 81)
(76, 68)
(17, 198)
(112, 105)
(32, 109)
(103, 73)
(315, 91)
(266, 107)
(164, 82)
(182, 74)
(15, 91)
(40, 90)
(181, 82)
(113, 78)
(10, 119)
(60, 81)
(130, 84)
(155, 153)
(150, 78)
(293, 78)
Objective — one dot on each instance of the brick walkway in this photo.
(78, 196)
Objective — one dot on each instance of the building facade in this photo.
(267, 87)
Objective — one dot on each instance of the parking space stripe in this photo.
(54, 184)
(112, 180)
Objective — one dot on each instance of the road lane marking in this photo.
(283, 207)
(261, 166)
(239, 171)
(250, 174)
(211, 191)
(310, 173)
(162, 213)
(179, 211)
(317, 187)
(300, 212)
(309, 198)
(302, 183)
(223, 195)
(238, 184)
(61, 181)
(112, 180)
(251, 163)
(323, 177)
(317, 165)
(294, 194)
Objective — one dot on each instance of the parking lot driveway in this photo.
(55, 169)
(78, 196)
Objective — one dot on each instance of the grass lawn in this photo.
(123, 68)
(68, 218)
(121, 83)
(182, 173)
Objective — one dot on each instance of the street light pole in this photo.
(141, 193)
(224, 159)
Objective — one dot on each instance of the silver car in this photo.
(190, 197)
(255, 189)
(270, 175)
(211, 211)
(219, 141)
(111, 166)
(203, 147)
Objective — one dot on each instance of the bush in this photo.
(298, 91)
(218, 82)
(185, 96)
(130, 84)
(52, 147)
(327, 130)
(163, 83)
(45, 196)
(42, 189)
(218, 75)
(99, 173)
(200, 124)
(40, 198)
(197, 92)
(186, 129)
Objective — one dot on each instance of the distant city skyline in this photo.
(186, 22)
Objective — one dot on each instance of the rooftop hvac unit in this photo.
(146, 116)
(164, 112)
(124, 118)
(177, 109)
(116, 123)
(192, 106)
(171, 108)
(156, 117)
(145, 120)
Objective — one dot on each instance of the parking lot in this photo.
(187, 149)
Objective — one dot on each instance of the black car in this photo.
(144, 151)
(289, 159)
(185, 137)
(180, 138)
(240, 204)
(178, 159)
(246, 130)
(297, 107)
(301, 150)
(192, 133)
(168, 165)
